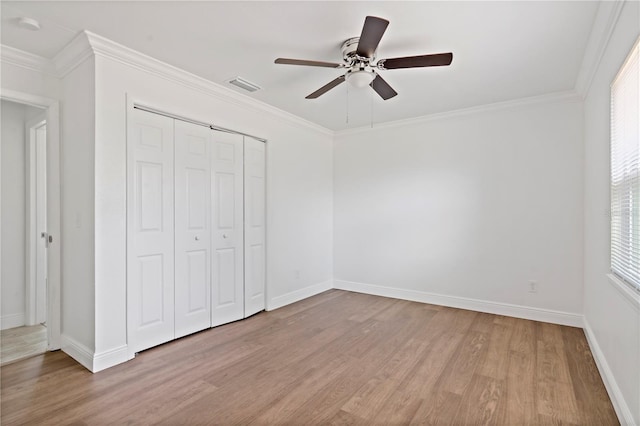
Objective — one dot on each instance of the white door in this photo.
(150, 239)
(254, 226)
(193, 145)
(227, 224)
(41, 223)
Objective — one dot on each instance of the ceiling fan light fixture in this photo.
(360, 78)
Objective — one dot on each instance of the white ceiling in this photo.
(502, 50)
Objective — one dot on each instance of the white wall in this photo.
(77, 181)
(14, 119)
(473, 206)
(299, 190)
(612, 319)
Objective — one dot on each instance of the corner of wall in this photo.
(297, 295)
(73, 54)
(91, 360)
(603, 26)
(77, 351)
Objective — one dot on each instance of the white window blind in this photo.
(625, 171)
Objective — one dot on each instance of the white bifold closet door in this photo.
(150, 242)
(195, 228)
(228, 228)
(254, 226)
(193, 146)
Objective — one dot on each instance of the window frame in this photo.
(632, 212)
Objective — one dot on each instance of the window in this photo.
(625, 171)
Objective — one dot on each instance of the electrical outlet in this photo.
(533, 286)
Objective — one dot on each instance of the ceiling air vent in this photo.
(244, 84)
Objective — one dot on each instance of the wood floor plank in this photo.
(497, 355)
(555, 395)
(590, 393)
(521, 385)
(438, 407)
(524, 337)
(22, 342)
(303, 392)
(342, 418)
(337, 358)
(461, 368)
(397, 408)
(483, 402)
(442, 348)
(370, 398)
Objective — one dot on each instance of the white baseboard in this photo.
(110, 358)
(517, 311)
(12, 321)
(615, 394)
(77, 351)
(295, 296)
(92, 361)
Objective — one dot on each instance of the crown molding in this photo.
(90, 43)
(565, 96)
(73, 54)
(601, 31)
(20, 58)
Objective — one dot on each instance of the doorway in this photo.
(29, 284)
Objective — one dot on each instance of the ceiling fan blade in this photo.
(382, 88)
(437, 60)
(324, 89)
(287, 61)
(371, 34)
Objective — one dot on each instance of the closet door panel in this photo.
(150, 239)
(228, 232)
(193, 145)
(254, 206)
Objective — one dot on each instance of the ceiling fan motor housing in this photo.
(349, 48)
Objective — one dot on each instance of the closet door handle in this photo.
(224, 235)
(197, 238)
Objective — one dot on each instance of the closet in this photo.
(195, 228)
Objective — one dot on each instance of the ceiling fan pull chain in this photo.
(371, 98)
(347, 104)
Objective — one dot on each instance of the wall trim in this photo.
(77, 351)
(615, 394)
(87, 43)
(631, 296)
(601, 31)
(20, 58)
(73, 54)
(564, 96)
(517, 311)
(297, 295)
(12, 321)
(110, 358)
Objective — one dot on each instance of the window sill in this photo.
(629, 293)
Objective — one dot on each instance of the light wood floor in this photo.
(336, 358)
(22, 342)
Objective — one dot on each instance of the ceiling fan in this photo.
(358, 54)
